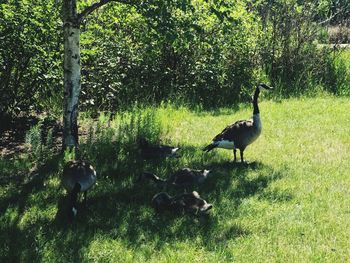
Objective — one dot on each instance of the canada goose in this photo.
(241, 133)
(150, 176)
(187, 177)
(149, 151)
(190, 203)
(163, 201)
(183, 178)
(78, 176)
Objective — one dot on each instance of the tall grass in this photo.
(40, 144)
(342, 72)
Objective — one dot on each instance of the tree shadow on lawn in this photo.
(20, 191)
(120, 208)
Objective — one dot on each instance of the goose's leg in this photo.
(241, 152)
(84, 200)
(234, 154)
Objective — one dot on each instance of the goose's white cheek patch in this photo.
(226, 144)
(174, 150)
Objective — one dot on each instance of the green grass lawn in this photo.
(291, 204)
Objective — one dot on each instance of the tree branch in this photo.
(329, 18)
(88, 10)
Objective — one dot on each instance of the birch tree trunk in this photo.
(72, 71)
(72, 67)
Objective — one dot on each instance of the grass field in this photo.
(290, 204)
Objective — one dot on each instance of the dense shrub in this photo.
(30, 56)
(201, 56)
(206, 52)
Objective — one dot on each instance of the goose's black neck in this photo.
(255, 100)
(160, 182)
(143, 143)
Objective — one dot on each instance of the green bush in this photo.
(30, 56)
(207, 53)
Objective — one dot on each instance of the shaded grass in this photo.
(291, 203)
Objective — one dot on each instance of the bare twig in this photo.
(329, 18)
(88, 10)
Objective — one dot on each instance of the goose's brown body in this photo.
(78, 176)
(149, 151)
(241, 133)
(191, 203)
(187, 177)
(80, 172)
(182, 178)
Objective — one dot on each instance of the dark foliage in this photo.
(209, 53)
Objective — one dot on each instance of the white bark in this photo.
(72, 83)
(72, 68)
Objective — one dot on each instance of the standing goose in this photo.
(241, 133)
(78, 176)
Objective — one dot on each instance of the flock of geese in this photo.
(79, 176)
